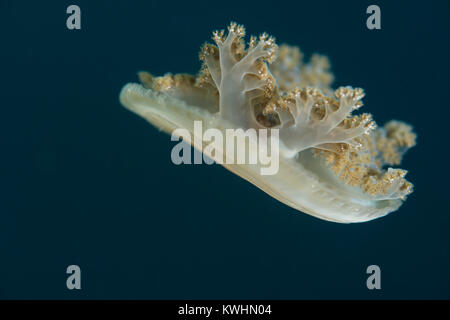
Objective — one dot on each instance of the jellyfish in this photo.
(334, 164)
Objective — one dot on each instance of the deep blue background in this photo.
(84, 181)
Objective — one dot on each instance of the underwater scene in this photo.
(220, 150)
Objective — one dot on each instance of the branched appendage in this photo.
(392, 141)
(389, 184)
(317, 72)
(364, 166)
(286, 68)
(290, 71)
(311, 119)
(240, 75)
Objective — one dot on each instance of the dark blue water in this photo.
(84, 181)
